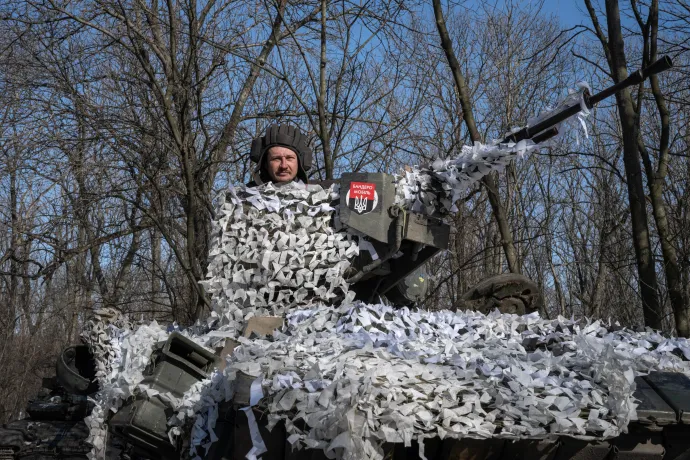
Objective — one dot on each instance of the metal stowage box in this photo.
(174, 368)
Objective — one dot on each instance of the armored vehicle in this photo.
(403, 242)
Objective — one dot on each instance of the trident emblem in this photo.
(360, 204)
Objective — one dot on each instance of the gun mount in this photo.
(405, 240)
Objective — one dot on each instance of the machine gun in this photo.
(405, 240)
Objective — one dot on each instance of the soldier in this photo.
(281, 156)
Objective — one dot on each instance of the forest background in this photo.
(121, 120)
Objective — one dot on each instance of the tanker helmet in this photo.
(285, 136)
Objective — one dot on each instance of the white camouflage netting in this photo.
(358, 374)
(348, 379)
(121, 352)
(436, 188)
(275, 248)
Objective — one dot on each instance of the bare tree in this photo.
(656, 176)
(489, 181)
(613, 46)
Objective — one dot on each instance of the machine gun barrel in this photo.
(546, 128)
(634, 78)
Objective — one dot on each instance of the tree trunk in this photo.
(631, 158)
(12, 287)
(324, 133)
(674, 284)
(656, 180)
(600, 280)
(467, 115)
(155, 237)
(558, 288)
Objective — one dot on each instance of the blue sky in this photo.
(569, 12)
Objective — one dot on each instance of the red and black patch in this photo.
(362, 197)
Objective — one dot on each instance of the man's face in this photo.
(281, 164)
